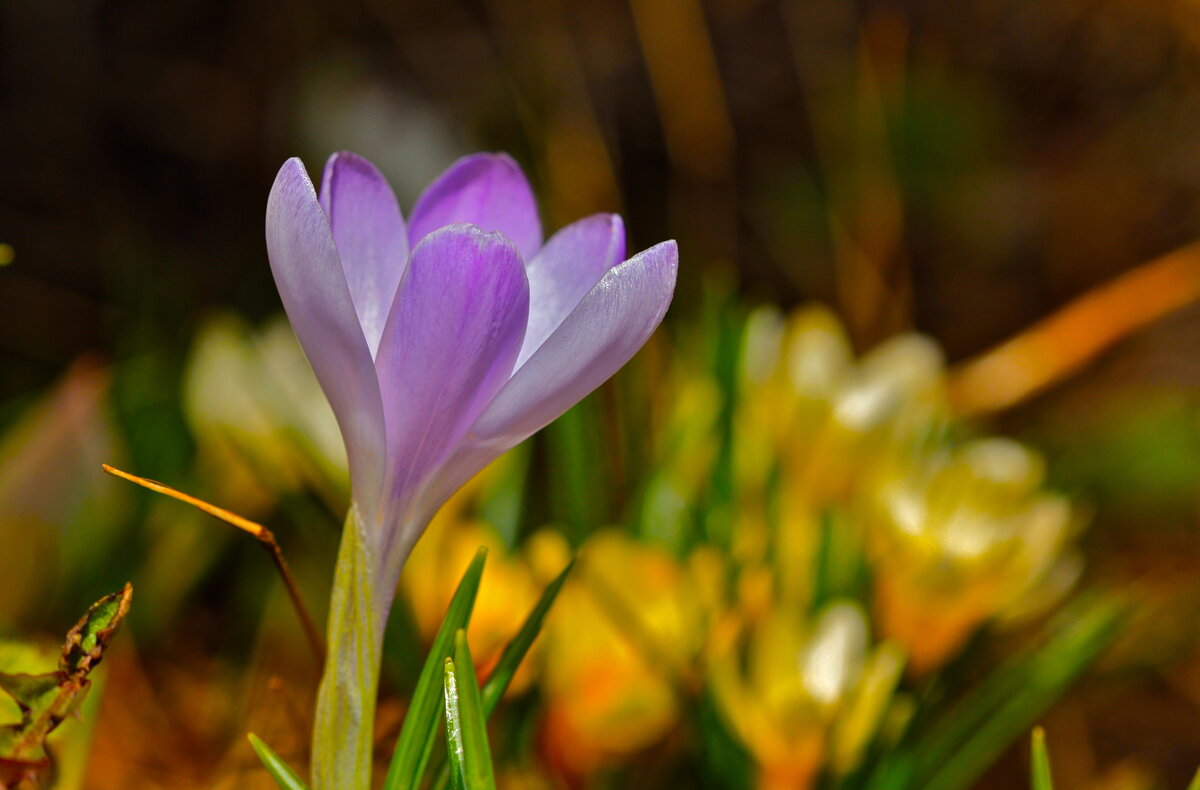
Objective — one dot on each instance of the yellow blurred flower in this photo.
(811, 425)
(623, 635)
(802, 694)
(963, 537)
(809, 408)
(957, 535)
(841, 462)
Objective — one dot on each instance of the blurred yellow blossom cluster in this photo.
(954, 531)
(866, 537)
(815, 527)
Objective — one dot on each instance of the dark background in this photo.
(993, 158)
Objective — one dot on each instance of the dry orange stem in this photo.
(261, 533)
(1068, 339)
(244, 524)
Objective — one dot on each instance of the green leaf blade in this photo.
(417, 736)
(454, 737)
(1040, 760)
(472, 720)
(283, 775)
(515, 651)
(965, 738)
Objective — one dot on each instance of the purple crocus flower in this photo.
(444, 342)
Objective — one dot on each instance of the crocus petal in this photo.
(449, 345)
(312, 286)
(604, 330)
(608, 327)
(488, 190)
(370, 235)
(573, 260)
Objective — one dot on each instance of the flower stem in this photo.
(345, 716)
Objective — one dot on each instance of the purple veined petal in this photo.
(566, 268)
(449, 345)
(488, 190)
(312, 286)
(600, 335)
(371, 239)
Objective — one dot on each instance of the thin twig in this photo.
(1068, 339)
(258, 531)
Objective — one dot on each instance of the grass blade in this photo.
(284, 776)
(576, 479)
(1040, 762)
(515, 650)
(950, 751)
(454, 738)
(420, 724)
(476, 755)
(514, 653)
(1195, 785)
(1036, 681)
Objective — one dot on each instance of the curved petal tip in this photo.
(488, 190)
